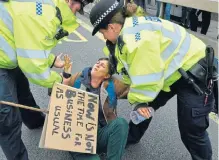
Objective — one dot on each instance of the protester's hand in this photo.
(68, 64)
(65, 81)
(145, 112)
(59, 63)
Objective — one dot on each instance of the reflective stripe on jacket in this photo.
(27, 31)
(152, 51)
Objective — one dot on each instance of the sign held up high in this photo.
(72, 122)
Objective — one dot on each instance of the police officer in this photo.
(159, 59)
(28, 31)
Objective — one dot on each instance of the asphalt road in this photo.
(162, 139)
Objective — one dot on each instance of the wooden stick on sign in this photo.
(24, 107)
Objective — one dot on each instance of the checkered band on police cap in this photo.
(108, 11)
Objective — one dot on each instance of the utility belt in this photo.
(206, 71)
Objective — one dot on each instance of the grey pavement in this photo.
(162, 139)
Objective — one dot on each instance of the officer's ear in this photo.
(111, 27)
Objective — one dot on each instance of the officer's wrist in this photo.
(140, 105)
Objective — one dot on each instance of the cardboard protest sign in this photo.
(72, 122)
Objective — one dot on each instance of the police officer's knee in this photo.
(196, 127)
(9, 118)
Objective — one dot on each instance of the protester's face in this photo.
(75, 6)
(110, 33)
(101, 69)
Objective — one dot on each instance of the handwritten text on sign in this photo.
(72, 122)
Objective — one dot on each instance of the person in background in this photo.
(140, 3)
(139, 11)
(206, 20)
(185, 21)
(167, 11)
(158, 8)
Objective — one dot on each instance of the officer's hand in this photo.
(145, 112)
(132, 8)
(59, 63)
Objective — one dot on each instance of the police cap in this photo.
(103, 11)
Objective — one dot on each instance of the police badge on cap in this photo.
(103, 11)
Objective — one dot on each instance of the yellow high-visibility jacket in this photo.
(27, 31)
(151, 52)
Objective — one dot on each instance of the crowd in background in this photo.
(189, 18)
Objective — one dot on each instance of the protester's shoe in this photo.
(102, 156)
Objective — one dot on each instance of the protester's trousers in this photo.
(111, 139)
(193, 119)
(14, 87)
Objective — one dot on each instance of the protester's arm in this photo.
(121, 89)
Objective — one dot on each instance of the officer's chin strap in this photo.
(61, 32)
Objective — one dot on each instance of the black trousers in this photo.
(206, 19)
(30, 118)
(192, 115)
(14, 87)
(215, 91)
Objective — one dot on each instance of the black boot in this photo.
(32, 119)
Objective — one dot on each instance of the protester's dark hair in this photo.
(128, 10)
(111, 69)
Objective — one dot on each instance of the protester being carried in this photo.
(112, 130)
